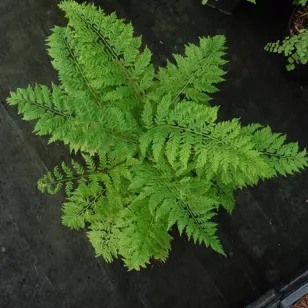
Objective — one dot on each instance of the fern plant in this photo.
(154, 154)
(294, 47)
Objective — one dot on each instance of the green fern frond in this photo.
(79, 209)
(59, 117)
(284, 158)
(219, 148)
(141, 237)
(109, 174)
(104, 241)
(51, 109)
(186, 202)
(66, 176)
(195, 74)
(63, 49)
(108, 43)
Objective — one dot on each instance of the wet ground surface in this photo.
(43, 264)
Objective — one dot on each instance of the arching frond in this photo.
(195, 74)
(114, 63)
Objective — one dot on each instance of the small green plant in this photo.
(155, 155)
(295, 48)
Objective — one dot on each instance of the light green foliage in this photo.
(300, 2)
(194, 79)
(155, 155)
(295, 48)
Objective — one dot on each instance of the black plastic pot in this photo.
(225, 6)
(286, 296)
(292, 19)
(300, 73)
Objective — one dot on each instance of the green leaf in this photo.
(147, 115)
(294, 47)
(172, 146)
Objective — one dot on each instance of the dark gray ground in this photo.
(45, 265)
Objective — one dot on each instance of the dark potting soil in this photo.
(43, 264)
(300, 19)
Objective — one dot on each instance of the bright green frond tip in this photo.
(150, 154)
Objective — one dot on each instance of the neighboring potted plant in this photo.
(295, 45)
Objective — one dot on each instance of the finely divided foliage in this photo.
(294, 47)
(155, 155)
